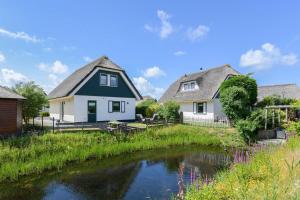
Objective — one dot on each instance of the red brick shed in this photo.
(10, 112)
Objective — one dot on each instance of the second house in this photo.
(99, 91)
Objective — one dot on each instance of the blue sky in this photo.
(154, 41)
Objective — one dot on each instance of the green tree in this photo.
(35, 99)
(244, 81)
(169, 110)
(275, 100)
(142, 107)
(235, 102)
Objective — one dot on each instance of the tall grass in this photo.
(34, 154)
(273, 173)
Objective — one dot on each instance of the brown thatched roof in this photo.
(284, 90)
(208, 81)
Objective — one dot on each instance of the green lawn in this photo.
(34, 154)
(271, 174)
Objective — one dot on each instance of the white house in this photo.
(198, 93)
(99, 91)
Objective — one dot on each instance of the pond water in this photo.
(144, 175)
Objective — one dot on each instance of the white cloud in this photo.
(154, 72)
(197, 33)
(54, 79)
(146, 88)
(56, 68)
(266, 57)
(2, 57)
(149, 28)
(87, 59)
(19, 35)
(165, 29)
(179, 53)
(47, 49)
(9, 77)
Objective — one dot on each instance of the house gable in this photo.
(92, 87)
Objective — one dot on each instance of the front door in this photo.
(92, 108)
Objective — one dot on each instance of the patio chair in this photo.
(140, 118)
(153, 119)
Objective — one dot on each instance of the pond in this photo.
(153, 174)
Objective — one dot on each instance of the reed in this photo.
(35, 154)
(272, 173)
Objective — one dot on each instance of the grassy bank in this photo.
(34, 154)
(271, 174)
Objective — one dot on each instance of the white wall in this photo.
(187, 110)
(81, 115)
(55, 109)
(218, 113)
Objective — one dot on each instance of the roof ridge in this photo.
(285, 84)
(207, 70)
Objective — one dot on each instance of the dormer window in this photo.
(189, 86)
(103, 80)
(113, 81)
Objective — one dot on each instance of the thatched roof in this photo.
(285, 91)
(208, 81)
(6, 93)
(71, 82)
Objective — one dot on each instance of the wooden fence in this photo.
(220, 123)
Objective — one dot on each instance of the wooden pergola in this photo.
(278, 108)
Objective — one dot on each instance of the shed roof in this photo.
(6, 93)
(208, 81)
(283, 90)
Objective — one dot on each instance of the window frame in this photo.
(196, 108)
(112, 106)
(113, 75)
(103, 74)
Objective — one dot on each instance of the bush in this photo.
(243, 81)
(235, 102)
(293, 127)
(169, 110)
(143, 106)
(274, 100)
(152, 109)
(44, 114)
(248, 129)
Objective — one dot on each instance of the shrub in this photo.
(243, 81)
(235, 102)
(152, 109)
(293, 127)
(44, 114)
(169, 110)
(248, 129)
(274, 100)
(143, 105)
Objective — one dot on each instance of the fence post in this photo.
(42, 123)
(52, 124)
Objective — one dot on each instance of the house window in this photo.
(116, 107)
(189, 86)
(103, 79)
(192, 86)
(113, 81)
(200, 108)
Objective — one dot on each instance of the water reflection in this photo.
(151, 174)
